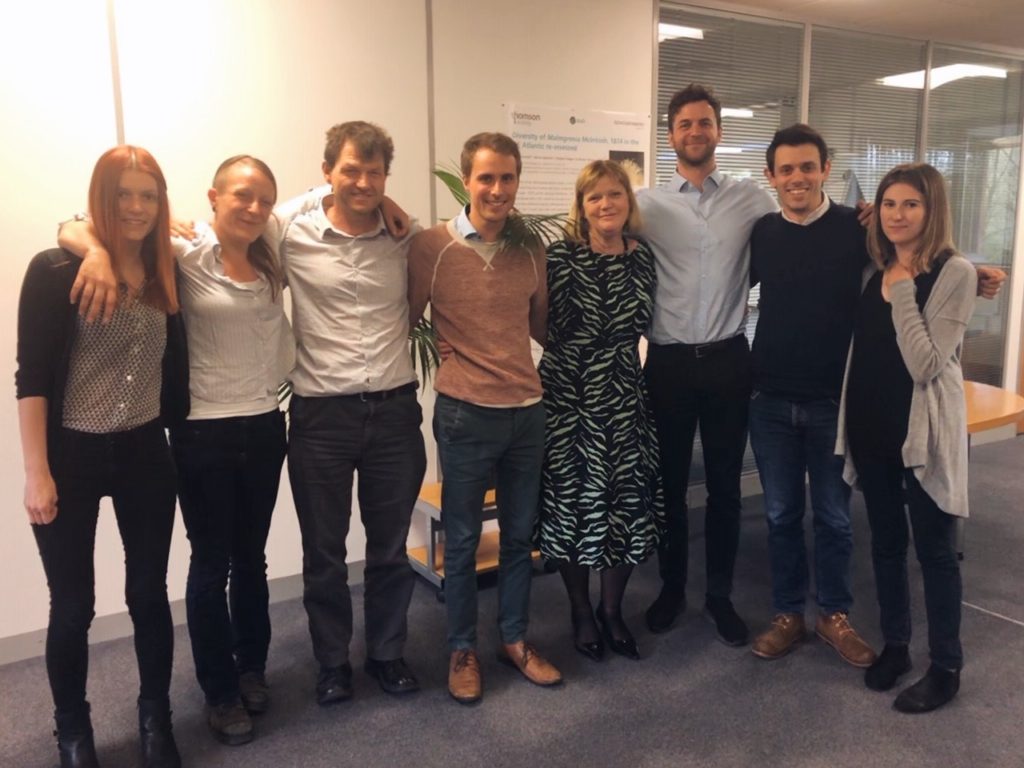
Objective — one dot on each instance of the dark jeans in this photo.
(691, 386)
(135, 469)
(884, 482)
(229, 471)
(476, 445)
(791, 440)
(330, 439)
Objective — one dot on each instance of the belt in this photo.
(385, 394)
(699, 351)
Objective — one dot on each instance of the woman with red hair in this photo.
(90, 400)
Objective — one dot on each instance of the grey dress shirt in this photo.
(350, 311)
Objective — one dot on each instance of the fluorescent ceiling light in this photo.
(673, 31)
(734, 112)
(728, 151)
(942, 75)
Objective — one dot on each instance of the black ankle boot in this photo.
(74, 739)
(158, 747)
(937, 687)
(888, 668)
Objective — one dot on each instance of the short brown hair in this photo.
(368, 139)
(692, 93)
(937, 237)
(259, 253)
(577, 228)
(496, 142)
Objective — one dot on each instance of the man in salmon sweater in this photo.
(487, 299)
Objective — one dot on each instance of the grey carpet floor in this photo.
(690, 701)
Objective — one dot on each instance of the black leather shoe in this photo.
(252, 686)
(157, 738)
(664, 610)
(936, 688)
(593, 649)
(729, 626)
(625, 644)
(229, 723)
(334, 684)
(889, 667)
(74, 739)
(394, 675)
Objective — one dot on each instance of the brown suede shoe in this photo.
(464, 676)
(835, 630)
(781, 637)
(525, 658)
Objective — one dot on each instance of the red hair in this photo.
(157, 258)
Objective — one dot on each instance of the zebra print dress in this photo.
(601, 497)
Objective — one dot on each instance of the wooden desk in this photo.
(988, 407)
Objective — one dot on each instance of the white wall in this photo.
(204, 79)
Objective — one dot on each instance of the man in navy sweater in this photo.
(808, 258)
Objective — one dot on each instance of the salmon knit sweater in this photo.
(485, 302)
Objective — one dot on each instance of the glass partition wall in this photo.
(867, 95)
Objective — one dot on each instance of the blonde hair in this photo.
(936, 242)
(576, 228)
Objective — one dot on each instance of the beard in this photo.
(695, 155)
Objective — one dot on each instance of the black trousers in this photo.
(229, 471)
(330, 439)
(890, 493)
(135, 469)
(705, 386)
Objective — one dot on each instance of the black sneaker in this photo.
(229, 723)
(252, 686)
(889, 667)
(729, 626)
(936, 688)
(334, 684)
(394, 675)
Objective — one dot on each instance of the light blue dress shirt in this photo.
(464, 226)
(701, 243)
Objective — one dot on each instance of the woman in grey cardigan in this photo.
(903, 423)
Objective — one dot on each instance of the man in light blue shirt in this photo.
(698, 369)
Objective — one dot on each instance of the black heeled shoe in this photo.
(624, 646)
(592, 649)
(157, 738)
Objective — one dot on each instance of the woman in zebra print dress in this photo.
(601, 499)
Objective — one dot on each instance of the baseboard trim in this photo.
(29, 645)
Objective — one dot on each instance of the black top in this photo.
(46, 334)
(880, 388)
(810, 280)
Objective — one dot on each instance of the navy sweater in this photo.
(810, 280)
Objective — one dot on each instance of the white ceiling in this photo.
(990, 22)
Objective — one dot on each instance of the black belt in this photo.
(702, 350)
(385, 394)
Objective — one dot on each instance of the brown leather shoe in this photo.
(786, 631)
(464, 676)
(835, 630)
(525, 658)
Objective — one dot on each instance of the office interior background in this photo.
(199, 80)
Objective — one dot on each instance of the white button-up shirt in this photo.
(240, 345)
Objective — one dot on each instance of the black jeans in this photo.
(229, 471)
(883, 482)
(135, 469)
(380, 440)
(709, 387)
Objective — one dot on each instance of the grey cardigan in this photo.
(936, 444)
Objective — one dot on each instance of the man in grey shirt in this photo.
(353, 410)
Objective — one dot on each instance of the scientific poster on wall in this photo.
(556, 142)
